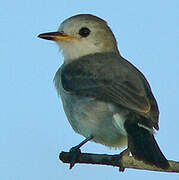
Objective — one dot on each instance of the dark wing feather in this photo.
(109, 78)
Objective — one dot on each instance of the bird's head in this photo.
(82, 35)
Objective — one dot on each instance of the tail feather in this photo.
(143, 145)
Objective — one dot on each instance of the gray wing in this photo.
(110, 78)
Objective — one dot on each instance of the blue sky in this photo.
(34, 129)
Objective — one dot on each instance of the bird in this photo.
(106, 99)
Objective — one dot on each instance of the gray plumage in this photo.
(106, 99)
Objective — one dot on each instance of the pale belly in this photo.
(90, 117)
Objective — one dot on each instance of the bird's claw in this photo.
(121, 168)
(75, 152)
(123, 153)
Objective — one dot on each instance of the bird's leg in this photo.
(126, 152)
(75, 151)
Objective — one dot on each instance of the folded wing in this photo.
(110, 78)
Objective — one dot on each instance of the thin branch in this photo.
(113, 160)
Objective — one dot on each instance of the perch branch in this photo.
(113, 160)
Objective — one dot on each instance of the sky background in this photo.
(33, 126)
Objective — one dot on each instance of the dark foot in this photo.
(123, 153)
(121, 169)
(75, 152)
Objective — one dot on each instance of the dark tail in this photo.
(142, 144)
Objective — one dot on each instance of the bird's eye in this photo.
(84, 32)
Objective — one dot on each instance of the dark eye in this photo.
(84, 32)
